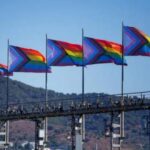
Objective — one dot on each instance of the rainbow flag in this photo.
(61, 53)
(101, 51)
(26, 60)
(135, 42)
(4, 70)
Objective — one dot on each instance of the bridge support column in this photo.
(39, 134)
(146, 126)
(4, 135)
(80, 132)
(73, 123)
(77, 132)
(116, 138)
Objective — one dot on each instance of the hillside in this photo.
(59, 127)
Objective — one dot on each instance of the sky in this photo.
(26, 22)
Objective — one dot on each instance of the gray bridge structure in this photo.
(75, 107)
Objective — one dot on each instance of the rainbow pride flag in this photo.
(4, 70)
(135, 42)
(61, 53)
(101, 51)
(26, 60)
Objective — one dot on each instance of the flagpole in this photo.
(83, 79)
(122, 86)
(7, 100)
(46, 96)
(7, 75)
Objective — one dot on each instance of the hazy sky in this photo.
(25, 23)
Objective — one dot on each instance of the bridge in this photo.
(56, 108)
(75, 107)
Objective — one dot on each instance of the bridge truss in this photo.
(75, 107)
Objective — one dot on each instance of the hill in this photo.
(59, 127)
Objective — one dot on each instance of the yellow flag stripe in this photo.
(74, 54)
(36, 58)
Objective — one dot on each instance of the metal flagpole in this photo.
(7, 100)
(83, 116)
(122, 87)
(7, 76)
(46, 97)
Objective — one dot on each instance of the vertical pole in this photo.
(111, 131)
(122, 89)
(82, 68)
(83, 116)
(46, 97)
(96, 146)
(36, 135)
(7, 99)
(73, 132)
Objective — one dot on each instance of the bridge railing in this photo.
(71, 103)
